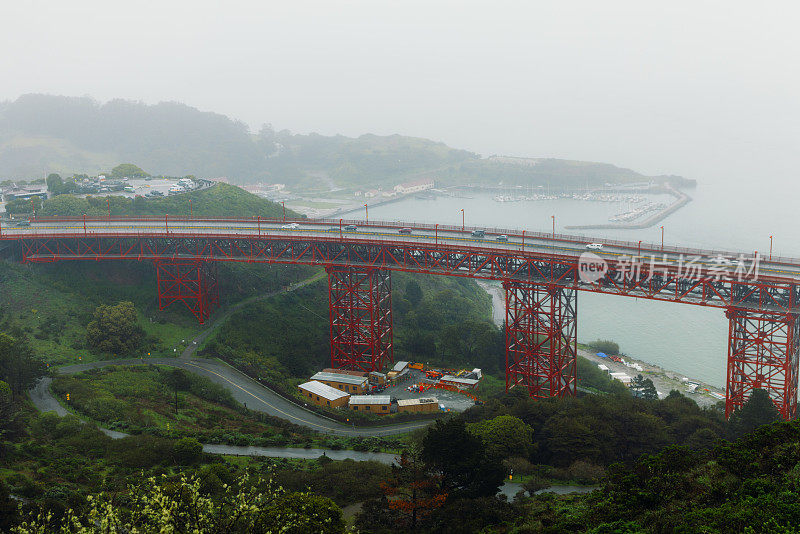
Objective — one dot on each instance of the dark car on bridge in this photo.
(478, 233)
(406, 231)
(351, 228)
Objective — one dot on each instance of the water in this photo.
(691, 340)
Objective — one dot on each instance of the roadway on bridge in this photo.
(512, 241)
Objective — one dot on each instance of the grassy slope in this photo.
(51, 304)
(292, 340)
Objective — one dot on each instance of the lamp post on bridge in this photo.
(108, 205)
(366, 213)
(770, 248)
(554, 227)
(462, 219)
(639, 253)
(662, 239)
(284, 210)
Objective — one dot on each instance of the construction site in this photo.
(406, 387)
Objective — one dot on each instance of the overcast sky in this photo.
(703, 89)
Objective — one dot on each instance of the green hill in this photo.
(221, 200)
(40, 134)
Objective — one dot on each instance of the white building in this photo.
(414, 187)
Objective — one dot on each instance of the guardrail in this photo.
(516, 233)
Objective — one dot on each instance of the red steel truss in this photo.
(192, 282)
(763, 353)
(763, 307)
(541, 338)
(360, 318)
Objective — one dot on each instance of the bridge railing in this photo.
(643, 247)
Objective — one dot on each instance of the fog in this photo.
(707, 90)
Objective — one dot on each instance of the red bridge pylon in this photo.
(763, 352)
(193, 282)
(360, 318)
(541, 338)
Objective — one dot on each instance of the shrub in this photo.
(605, 345)
(187, 451)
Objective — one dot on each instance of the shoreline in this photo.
(663, 379)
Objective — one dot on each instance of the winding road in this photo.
(243, 388)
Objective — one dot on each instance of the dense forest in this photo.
(40, 134)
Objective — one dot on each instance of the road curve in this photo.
(243, 388)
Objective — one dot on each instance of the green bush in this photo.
(605, 345)
(187, 451)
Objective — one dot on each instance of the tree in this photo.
(461, 460)
(504, 436)
(413, 493)
(757, 411)
(18, 366)
(8, 509)
(169, 505)
(643, 388)
(413, 292)
(23, 205)
(128, 170)
(55, 184)
(115, 329)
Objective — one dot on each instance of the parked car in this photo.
(595, 246)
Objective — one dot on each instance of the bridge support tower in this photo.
(763, 350)
(541, 338)
(193, 282)
(360, 318)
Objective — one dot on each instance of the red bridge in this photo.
(541, 273)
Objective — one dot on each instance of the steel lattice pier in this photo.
(360, 318)
(541, 338)
(192, 282)
(762, 353)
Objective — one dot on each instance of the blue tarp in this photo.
(602, 355)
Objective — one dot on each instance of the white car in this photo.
(291, 226)
(722, 260)
(595, 246)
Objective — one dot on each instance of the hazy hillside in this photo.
(41, 134)
(51, 133)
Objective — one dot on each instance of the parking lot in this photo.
(450, 399)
